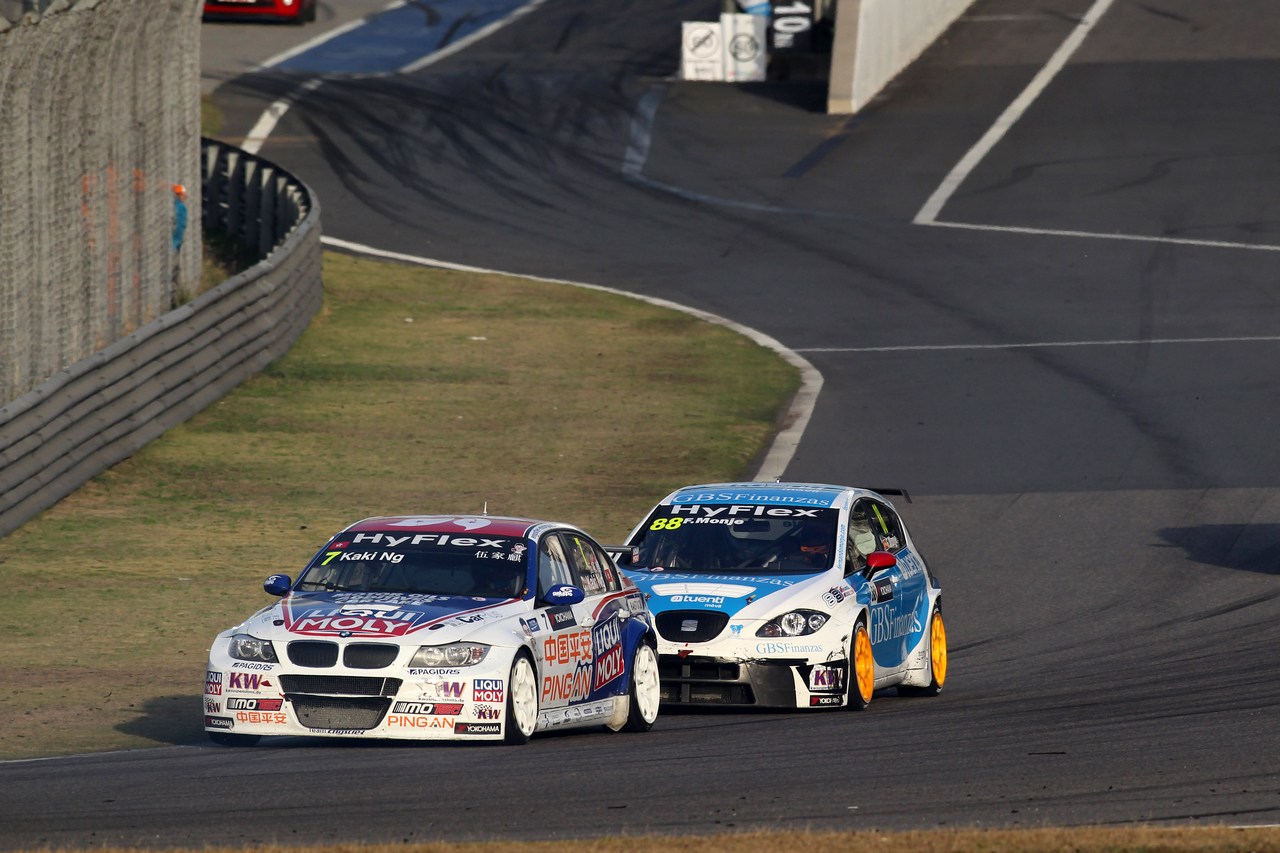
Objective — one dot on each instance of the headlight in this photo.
(454, 654)
(248, 647)
(796, 623)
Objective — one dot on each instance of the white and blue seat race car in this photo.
(440, 627)
(795, 595)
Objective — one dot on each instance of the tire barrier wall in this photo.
(105, 408)
(877, 39)
(99, 120)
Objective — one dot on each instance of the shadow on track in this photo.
(1244, 547)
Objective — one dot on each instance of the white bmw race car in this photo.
(435, 627)
(794, 595)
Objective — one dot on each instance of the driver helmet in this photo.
(815, 545)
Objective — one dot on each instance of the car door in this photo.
(605, 603)
(561, 632)
(895, 590)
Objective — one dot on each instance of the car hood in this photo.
(381, 616)
(739, 596)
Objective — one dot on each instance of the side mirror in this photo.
(880, 560)
(563, 593)
(277, 584)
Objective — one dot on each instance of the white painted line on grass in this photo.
(794, 420)
(929, 213)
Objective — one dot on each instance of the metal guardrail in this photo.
(106, 407)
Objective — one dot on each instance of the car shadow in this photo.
(178, 721)
(168, 719)
(1243, 547)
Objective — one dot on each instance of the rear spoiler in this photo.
(617, 553)
(902, 492)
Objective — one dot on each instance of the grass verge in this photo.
(414, 390)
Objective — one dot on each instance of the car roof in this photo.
(493, 525)
(786, 494)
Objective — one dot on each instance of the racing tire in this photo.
(862, 669)
(937, 659)
(522, 701)
(231, 739)
(645, 693)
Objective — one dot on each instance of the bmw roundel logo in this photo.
(344, 633)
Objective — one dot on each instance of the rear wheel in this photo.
(937, 659)
(645, 690)
(862, 669)
(230, 739)
(522, 701)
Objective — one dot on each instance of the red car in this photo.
(294, 11)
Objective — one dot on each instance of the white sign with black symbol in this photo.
(744, 38)
(702, 56)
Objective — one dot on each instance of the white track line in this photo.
(483, 32)
(929, 213)
(794, 421)
(1050, 344)
(329, 35)
(271, 116)
(1099, 235)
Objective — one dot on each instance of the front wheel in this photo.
(937, 659)
(645, 691)
(862, 669)
(522, 701)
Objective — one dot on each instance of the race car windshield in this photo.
(489, 567)
(737, 539)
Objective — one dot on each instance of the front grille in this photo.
(326, 712)
(694, 680)
(313, 653)
(707, 694)
(690, 626)
(703, 681)
(370, 655)
(338, 685)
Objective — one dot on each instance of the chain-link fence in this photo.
(99, 123)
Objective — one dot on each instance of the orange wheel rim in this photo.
(938, 649)
(864, 668)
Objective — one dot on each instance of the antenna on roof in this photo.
(485, 511)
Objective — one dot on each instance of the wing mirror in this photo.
(563, 593)
(277, 584)
(880, 560)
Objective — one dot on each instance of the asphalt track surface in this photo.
(1073, 370)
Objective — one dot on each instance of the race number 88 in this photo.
(666, 523)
